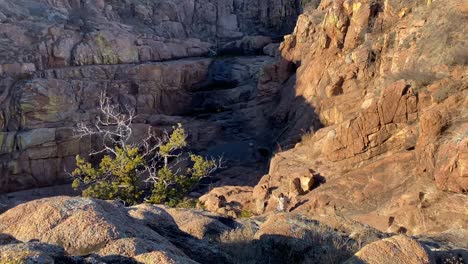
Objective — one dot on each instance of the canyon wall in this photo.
(387, 81)
(161, 58)
(376, 89)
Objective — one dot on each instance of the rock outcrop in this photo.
(365, 105)
(62, 227)
(81, 230)
(157, 57)
(398, 249)
(85, 226)
(380, 95)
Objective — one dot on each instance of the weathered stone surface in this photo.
(131, 31)
(159, 257)
(131, 247)
(389, 147)
(228, 200)
(377, 88)
(57, 56)
(451, 173)
(45, 147)
(397, 249)
(282, 180)
(309, 241)
(367, 134)
(247, 45)
(189, 231)
(81, 230)
(81, 226)
(194, 223)
(32, 252)
(84, 226)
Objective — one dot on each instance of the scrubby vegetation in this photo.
(124, 165)
(313, 243)
(115, 177)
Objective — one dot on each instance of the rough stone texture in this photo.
(94, 224)
(289, 183)
(451, 162)
(379, 92)
(300, 239)
(32, 252)
(62, 33)
(377, 89)
(196, 224)
(159, 257)
(84, 226)
(59, 98)
(81, 230)
(397, 249)
(57, 56)
(248, 45)
(228, 200)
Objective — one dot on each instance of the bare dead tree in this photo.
(114, 129)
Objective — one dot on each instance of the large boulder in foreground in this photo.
(87, 226)
(83, 230)
(397, 249)
(80, 225)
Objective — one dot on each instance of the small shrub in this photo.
(241, 245)
(419, 77)
(444, 92)
(246, 214)
(170, 188)
(116, 177)
(124, 164)
(187, 203)
(307, 136)
(311, 243)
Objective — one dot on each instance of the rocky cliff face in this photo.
(377, 89)
(387, 81)
(160, 58)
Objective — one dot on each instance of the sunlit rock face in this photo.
(387, 84)
(81, 230)
(363, 102)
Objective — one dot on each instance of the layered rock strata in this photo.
(387, 80)
(161, 58)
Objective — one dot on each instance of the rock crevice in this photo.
(157, 57)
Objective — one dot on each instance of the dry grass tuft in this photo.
(311, 243)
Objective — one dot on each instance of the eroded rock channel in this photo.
(199, 63)
(375, 89)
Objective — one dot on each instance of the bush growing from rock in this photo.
(124, 164)
(171, 188)
(115, 177)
